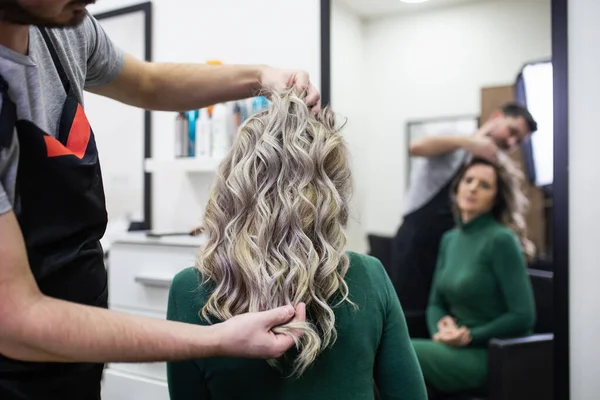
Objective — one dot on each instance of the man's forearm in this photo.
(434, 146)
(182, 87)
(59, 331)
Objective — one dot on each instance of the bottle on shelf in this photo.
(221, 140)
(181, 136)
(237, 115)
(192, 117)
(203, 134)
(259, 103)
(233, 121)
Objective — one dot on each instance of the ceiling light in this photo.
(413, 1)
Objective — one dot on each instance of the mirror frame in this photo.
(146, 9)
(325, 52)
(560, 253)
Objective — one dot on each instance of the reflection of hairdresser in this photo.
(427, 209)
(275, 226)
(481, 289)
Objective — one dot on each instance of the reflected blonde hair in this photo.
(510, 204)
(275, 223)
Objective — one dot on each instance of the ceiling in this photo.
(379, 8)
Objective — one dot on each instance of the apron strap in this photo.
(57, 64)
(8, 116)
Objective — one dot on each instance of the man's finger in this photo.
(277, 316)
(301, 81)
(316, 108)
(282, 344)
(300, 315)
(312, 97)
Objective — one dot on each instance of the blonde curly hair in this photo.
(275, 222)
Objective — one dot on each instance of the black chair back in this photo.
(543, 292)
(380, 247)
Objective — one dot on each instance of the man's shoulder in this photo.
(66, 39)
(79, 32)
(72, 45)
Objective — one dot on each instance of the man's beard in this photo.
(14, 13)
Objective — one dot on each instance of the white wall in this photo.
(584, 191)
(347, 83)
(432, 65)
(233, 31)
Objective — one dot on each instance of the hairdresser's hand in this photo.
(482, 147)
(489, 126)
(249, 335)
(279, 79)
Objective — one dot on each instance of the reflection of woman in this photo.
(481, 289)
(274, 222)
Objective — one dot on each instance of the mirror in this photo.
(404, 73)
(127, 186)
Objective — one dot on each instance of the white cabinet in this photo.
(122, 386)
(140, 271)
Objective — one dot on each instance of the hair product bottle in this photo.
(181, 135)
(259, 103)
(237, 115)
(203, 134)
(220, 131)
(192, 117)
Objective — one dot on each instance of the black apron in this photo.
(61, 210)
(414, 256)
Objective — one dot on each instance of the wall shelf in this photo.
(190, 165)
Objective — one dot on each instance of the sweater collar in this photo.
(478, 222)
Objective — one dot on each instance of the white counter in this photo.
(142, 238)
(140, 272)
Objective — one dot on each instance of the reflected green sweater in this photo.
(373, 346)
(481, 280)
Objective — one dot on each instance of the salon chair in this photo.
(541, 263)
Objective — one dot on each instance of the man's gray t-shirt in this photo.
(89, 59)
(429, 176)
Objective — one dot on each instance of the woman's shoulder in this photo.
(358, 260)
(187, 295)
(501, 234)
(365, 268)
(186, 278)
